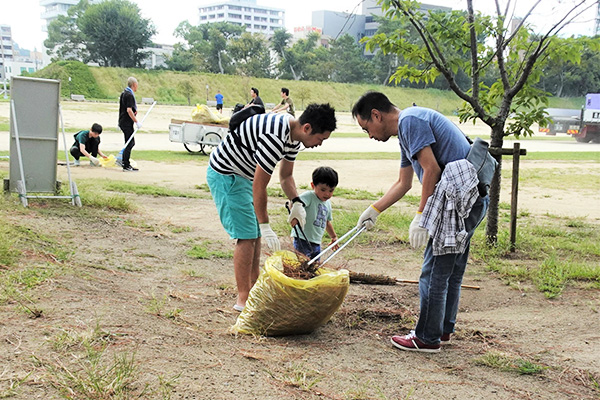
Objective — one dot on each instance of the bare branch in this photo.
(558, 29)
(500, 49)
(437, 57)
(543, 46)
(514, 33)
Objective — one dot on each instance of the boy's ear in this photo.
(312, 185)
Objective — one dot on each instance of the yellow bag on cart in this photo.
(280, 305)
(205, 115)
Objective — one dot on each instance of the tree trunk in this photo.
(491, 232)
(296, 77)
(220, 63)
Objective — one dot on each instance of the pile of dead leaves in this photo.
(300, 269)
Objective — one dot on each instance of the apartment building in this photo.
(54, 8)
(370, 9)
(334, 24)
(247, 13)
(6, 51)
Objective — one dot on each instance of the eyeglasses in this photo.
(366, 127)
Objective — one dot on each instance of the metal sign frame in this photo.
(35, 113)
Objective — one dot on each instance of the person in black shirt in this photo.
(87, 144)
(128, 117)
(256, 100)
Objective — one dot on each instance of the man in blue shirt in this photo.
(428, 141)
(219, 98)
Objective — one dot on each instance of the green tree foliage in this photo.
(251, 56)
(181, 59)
(187, 89)
(280, 43)
(568, 74)
(513, 56)
(348, 62)
(110, 33)
(207, 45)
(115, 32)
(65, 41)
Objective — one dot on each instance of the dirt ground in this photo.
(122, 263)
(127, 273)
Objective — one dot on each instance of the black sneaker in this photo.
(129, 169)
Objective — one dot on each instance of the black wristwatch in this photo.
(297, 199)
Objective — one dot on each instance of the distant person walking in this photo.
(219, 98)
(127, 118)
(286, 103)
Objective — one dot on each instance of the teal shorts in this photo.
(233, 197)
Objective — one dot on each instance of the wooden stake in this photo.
(417, 282)
(377, 279)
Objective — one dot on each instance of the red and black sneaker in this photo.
(445, 339)
(411, 342)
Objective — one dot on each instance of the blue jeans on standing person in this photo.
(439, 284)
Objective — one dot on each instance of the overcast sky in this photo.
(24, 15)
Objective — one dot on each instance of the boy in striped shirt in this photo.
(238, 174)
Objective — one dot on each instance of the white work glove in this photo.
(297, 212)
(368, 217)
(269, 236)
(417, 236)
(138, 124)
(94, 160)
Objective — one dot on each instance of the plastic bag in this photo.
(205, 115)
(111, 162)
(280, 305)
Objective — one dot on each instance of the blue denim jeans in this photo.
(311, 250)
(439, 284)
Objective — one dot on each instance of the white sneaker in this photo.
(76, 163)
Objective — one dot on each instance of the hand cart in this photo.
(197, 137)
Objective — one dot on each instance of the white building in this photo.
(54, 8)
(7, 52)
(158, 54)
(256, 19)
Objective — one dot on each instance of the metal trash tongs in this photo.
(358, 232)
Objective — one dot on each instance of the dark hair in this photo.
(255, 90)
(96, 128)
(286, 91)
(321, 118)
(371, 101)
(326, 175)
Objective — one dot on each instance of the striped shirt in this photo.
(265, 140)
